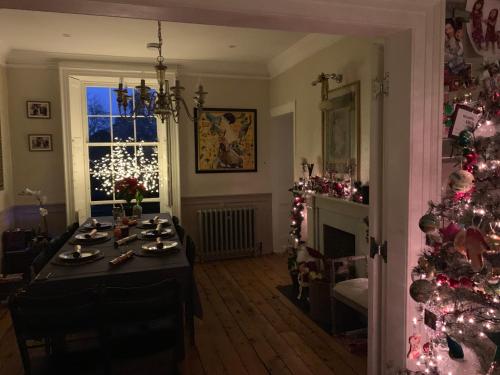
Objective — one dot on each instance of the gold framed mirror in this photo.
(341, 131)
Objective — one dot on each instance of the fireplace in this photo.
(336, 227)
(338, 243)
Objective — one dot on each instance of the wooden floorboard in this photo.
(248, 328)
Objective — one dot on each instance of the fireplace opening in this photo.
(337, 243)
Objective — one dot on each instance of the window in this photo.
(119, 147)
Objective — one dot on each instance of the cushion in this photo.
(355, 290)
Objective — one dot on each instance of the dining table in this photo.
(57, 277)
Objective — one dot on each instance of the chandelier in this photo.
(165, 102)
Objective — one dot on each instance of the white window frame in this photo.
(161, 144)
(74, 78)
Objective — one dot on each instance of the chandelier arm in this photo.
(183, 102)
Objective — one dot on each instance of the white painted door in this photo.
(375, 215)
(393, 228)
(281, 177)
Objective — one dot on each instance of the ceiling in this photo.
(25, 34)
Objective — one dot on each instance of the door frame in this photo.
(423, 20)
(281, 110)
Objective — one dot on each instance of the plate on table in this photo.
(83, 256)
(153, 233)
(160, 247)
(152, 223)
(99, 226)
(85, 237)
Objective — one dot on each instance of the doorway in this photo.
(281, 178)
(414, 166)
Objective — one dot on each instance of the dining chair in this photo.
(50, 318)
(190, 250)
(181, 232)
(139, 320)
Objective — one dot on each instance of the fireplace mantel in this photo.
(338, 213)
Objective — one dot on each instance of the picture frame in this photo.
(40, 142)
(38, 109)
(341, 130)
(225, 140)
(463, 118)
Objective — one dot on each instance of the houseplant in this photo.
(127, 189)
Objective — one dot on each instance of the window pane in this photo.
(101, 210)
(98, 101)
(151, 181)
(100, 173)
(99, 129)
(123, 129)
(150, 207)
(97, 192)
(146, 108)
(147, 164)
(115, 111)
(146, 129)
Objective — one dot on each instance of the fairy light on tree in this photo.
(456, 283)
(122, 162)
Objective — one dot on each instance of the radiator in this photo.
(226, 233)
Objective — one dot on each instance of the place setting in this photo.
(91, 238)
(97, 225)
(153, 223)
(159, 231)
(158, 248)
(78, 256)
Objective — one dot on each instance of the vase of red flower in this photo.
(127, 189)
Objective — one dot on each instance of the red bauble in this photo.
(454, 283)
(442, 279)
(467, 283)
(426, 347)
(471, 158)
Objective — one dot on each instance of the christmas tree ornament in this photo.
(465, 138)
(414, 350)
(455, 350)
(450, 231)
(495, 337)
(428, 223)
(475, 245)
(466, 282)
(421, 290)
(459, 242)
(493, 240)
(442, 279)
(461, 181)
(449, 109)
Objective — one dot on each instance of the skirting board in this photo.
(262, 203)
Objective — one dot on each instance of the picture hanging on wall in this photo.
(483, 29)
(342, 130)
(36, 109)
(225, 140)
(40, 142)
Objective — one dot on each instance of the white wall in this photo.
(6, 195)
(226, 93)
(38, 170)
(352, 57)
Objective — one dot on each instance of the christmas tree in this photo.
(456, 282)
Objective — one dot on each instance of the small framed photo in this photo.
(38, 109)
(464, 118)
(40, 142)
